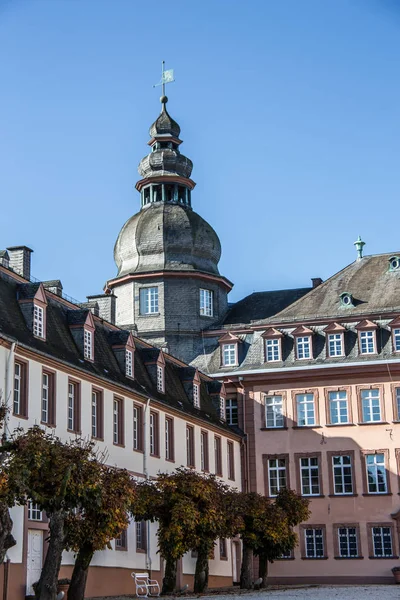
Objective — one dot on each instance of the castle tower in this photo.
(168, 285)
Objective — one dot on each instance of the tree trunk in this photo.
(47, 586)
(77, 586)
(6, 539)
(201, 573)
(246, 573)
(169, 581)
(263, 569)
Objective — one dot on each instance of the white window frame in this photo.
(38, 321)
(303, 347)
(229, 355)
(348, 537)
(338, 406)
(196, 395)
(232, 411)
(396, 339)
(376, 467)
(45, 398)
(222, 411)
(148, 300)
(397, 392)
(367, 342)
(95, 408)
(370, 400)
(168, 445)
(308, 471)
(34, 512)
(88, 344)
(274, 418)
(18, 381)
(128, 363)
(116, 417)
(335, 344)
(203, 448)
(206, 303)
(316, 536)
(303, 404)
(381, 532)
(341, 469)
(276, 473)
(273, 350)
(160, 379)
(71, 405)
(152, 434)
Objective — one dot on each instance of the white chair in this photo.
(145, 586)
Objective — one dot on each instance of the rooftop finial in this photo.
(166, 77)
(359, 244)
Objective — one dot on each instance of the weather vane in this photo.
(166, 77)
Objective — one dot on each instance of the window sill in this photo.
(378, 495)
(316, 558)
(154, 455)
(119, 445)
(206, 316)
(375, 423)
(121, 549)
(348, 557)
(342, 496)
(140, 450)
(285, 559)
(273, 428)
(141, 550)
(223, 558)
(156, 314)
(383, 557)
(51, 425)
(19, 416)
(314, 496)
(307, 427)
(341, 425)
(95, 437)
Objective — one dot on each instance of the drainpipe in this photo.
(146, 474)
(245, 444)
(7, 388)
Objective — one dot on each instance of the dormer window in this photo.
(346, 299)
(302, 342)
(222, 411)
(129, 363)
(88, 344)
(367, 337)
(38, 321)
(196, 395)
(395, 327)
(394, 263)
(160, 379)
(334, 340)
(229, 354)
(273, 345)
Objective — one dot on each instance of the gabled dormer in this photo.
(229, 349)
(192, 384)
(123, 347)
(217, 392)
(367, 337)
(395, 329)
(303, 347)
(272, 345)
(82, 327)
(334, 333)
(33, 303)
(154, 360)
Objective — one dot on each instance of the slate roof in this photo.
(60, 345)
(374, 289)
(261, 305)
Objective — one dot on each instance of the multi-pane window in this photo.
(73, 406)
(335, 344)
(367, 342)
(129, 363)
(222, 413)
(34, 512)
(20, 389)
(38, 321)
(229, 354)
(154, 445)
(196, 395)
(204, 450)
(371, 406)
(206, 303)
(121, 542)
(45, 397)
(148, 300)
(347, 542)
(342, 474)
(274, 411)
(160, 378)
(273, 350)
(231, 409)
(223, 551)
(396, 340)
(314, 542)
(303, 347)
(276, 475)
(88, 344)
(338, 407)
(141, 536)
(231, 460)
(305, 410)
(137, 427)
(376, 473)
(397, 392)
(382, 542)
(118, 422)
(169, 438)
(97, 414)
(309, 476)
(190, 446)
(218, 455)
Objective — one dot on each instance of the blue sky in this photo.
(290, 111)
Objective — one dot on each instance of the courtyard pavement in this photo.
(367, 592)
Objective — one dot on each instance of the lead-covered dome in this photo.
(167, 237)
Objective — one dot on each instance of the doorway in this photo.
(34, 559)
(236, 563)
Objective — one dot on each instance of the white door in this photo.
(35, 558)
(234, 563)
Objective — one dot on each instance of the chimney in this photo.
(316, 281)
(54, 286)
(20, 260)
(92, 306)
(106, 304)
(4, 258)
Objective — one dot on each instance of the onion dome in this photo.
(164, 124)
(165, 161)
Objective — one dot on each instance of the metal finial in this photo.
(359, 244)
(166, 77)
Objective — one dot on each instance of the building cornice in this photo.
(157, 274)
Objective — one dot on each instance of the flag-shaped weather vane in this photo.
(166, 77)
